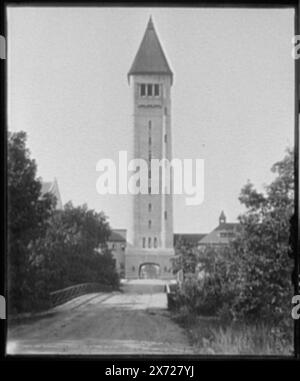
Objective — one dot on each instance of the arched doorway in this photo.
(149, 271)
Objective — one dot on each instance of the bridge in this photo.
(134, 320)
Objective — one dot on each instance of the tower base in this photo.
(149, 263)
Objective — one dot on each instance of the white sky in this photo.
(232, 97)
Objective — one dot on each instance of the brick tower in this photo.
(150, 247)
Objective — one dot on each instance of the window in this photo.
(149, 174)
(149, 190)
(166, 111)
(144, 242)
(166, 215)
(149, 224)
(149, 90)
(149, 126)
(149, 207)
(150, 141)
(149, 242)
(155, 242)
(165, 138)
(143, 90)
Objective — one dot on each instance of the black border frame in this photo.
(120, 359)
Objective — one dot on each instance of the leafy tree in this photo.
(28, 215)
(264, 277)
(212, 287)
(74, 249)
(49, 249)
(185, 257)
(251, 278)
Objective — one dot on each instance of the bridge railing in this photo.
(68, 293)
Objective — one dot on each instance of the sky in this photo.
(232, 97)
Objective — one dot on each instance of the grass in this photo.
(211, 336)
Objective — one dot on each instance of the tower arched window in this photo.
(155, 242)
(149, 207)
(149, 224)
(144, 242)
(149, 242)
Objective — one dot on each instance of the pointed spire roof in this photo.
(222, 218)
(150, 58)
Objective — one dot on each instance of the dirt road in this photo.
(116, 323)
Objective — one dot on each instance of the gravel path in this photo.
(116, 323)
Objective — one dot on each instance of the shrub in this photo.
(48, 249)
(28, 215)
(250, 280)
(66, 255)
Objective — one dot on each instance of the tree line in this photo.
(49, 249)
(248, 280)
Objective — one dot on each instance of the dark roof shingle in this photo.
(117, 235)
(215, 238)
(188, 237)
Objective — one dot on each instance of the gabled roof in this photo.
(46, 187)
(188, 237)
(150, 58)
(222, 215)
(228, 226)
(117, 235)
(215, 238)
(52, 187)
